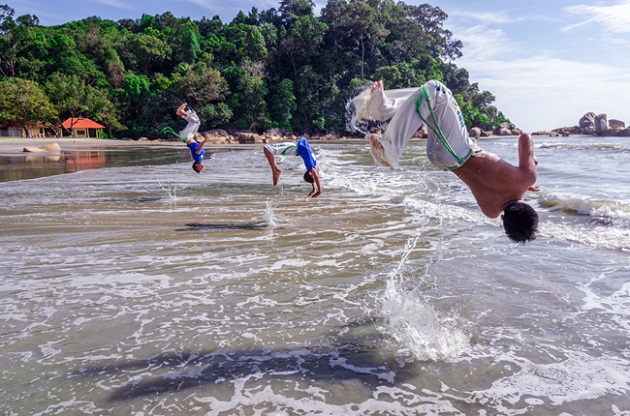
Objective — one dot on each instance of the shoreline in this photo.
(14, 146)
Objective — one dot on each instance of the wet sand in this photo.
(13, 146)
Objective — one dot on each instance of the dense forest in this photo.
(285, 68)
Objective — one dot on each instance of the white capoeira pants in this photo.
(192, 126)
(433, 104)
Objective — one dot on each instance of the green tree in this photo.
(25, 103)
(252, 107)
(282, 104)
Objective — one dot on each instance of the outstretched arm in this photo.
(527, 162)
(317, 187)
(201, 143)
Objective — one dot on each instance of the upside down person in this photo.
(498, 187)
(194, 141)
(301, 149)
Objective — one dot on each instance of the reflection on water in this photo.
(32, 166)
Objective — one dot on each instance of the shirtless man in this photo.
(301, 149)
(496, 185)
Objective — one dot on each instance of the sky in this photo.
(547, 62)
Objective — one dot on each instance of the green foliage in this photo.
(282, 104)
(25, 103)
(282, 67)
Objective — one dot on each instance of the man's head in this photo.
(308, 177)
(520, 222)
(197, 166)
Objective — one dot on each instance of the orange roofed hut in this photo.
(83, 127)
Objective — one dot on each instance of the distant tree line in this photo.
(284, 68)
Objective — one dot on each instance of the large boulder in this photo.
(475, 133)
(587, 120)
(616, 124)
(250, 138)
(246, 138)
(601, 124)
(49, 148)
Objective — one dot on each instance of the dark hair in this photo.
(520, 222)
(196, 167)
(308, 178)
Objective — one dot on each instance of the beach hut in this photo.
(83, 127)
(11, 130)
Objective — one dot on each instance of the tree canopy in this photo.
(284, 67)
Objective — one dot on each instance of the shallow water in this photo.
(150, 290)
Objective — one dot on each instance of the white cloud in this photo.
(541, 91)
(485, 17)
(125, 5)
(615, 18)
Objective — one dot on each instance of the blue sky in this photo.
(547, 62)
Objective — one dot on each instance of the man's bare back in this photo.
(494, 182)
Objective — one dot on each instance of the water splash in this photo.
(269, 216)
(171, 192)
(412, 321)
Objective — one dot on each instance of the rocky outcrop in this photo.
(591, 125)
(601, 124)
(507, 129)
(616, 124)
(587, 120)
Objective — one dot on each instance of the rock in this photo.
(475, 133)
(250, 138)
(502, 131)
(49, 148)
(422, 133)
(616, 124)
(273, 138)
(601, 124)
(246, 138)
(217, 133)
(587, 120)
(143, 139)
(215, 139)
(623, 133)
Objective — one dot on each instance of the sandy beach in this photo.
(16, 145)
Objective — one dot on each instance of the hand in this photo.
(534, 188)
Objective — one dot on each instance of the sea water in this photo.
(147, 289)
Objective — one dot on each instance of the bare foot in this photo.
(276, 176)
(378, 152)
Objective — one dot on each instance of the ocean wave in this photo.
(600, 212)
(602, 147)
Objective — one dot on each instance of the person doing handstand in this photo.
(189, 135)
(496, 185)
(301, 149)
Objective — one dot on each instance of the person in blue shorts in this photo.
(301, 149)
(189, 135)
